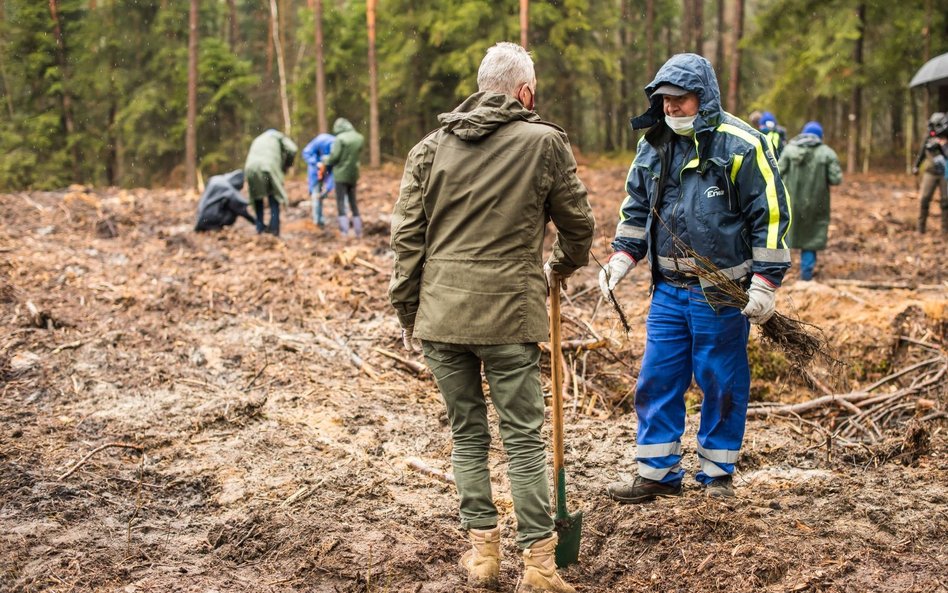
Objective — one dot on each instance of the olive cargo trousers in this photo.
(513, 375)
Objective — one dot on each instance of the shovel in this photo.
(568, 527)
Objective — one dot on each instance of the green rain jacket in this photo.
(468, 226)
(808, 168)
(345, 153)
(270, 155)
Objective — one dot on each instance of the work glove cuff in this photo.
(615, 270)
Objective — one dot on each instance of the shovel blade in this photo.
(569, 528)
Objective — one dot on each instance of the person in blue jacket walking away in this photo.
(703, 183)
(320, 183)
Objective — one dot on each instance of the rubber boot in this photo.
(344, 225)
(357, 226)
(482, 561)
(944, 220)
(539, 569)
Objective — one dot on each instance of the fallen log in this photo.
(412, 365)
(578, 345)
(423, 468)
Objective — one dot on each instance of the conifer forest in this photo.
(194, 401)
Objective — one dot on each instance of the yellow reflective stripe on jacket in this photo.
(773, 224)
(736, 167)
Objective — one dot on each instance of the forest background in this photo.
(97, 91)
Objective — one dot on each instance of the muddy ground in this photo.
(251, 453)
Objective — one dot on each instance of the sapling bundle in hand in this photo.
(798, 340)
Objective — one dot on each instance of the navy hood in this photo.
(691, 72)
(235, 178)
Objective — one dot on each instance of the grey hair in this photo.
(505, 68)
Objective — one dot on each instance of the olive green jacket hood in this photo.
(808, 169)
(468, 226)
(482, 114)
(345, 153)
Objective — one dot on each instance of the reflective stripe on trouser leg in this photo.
(663, 380)
(723, 374)
(457, 372)
(513, 374)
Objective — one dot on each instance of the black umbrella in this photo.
(934, 73)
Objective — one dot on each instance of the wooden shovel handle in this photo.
(556, 366)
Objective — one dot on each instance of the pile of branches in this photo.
(863, 416)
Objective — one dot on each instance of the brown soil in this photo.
(272, 463)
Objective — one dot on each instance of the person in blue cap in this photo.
(703, 184)
(808, 168)
(776, 134)
(321, 182)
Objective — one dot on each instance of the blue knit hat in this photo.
(767, 121)
(813, 127)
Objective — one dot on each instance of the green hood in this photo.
(341, 125)
(481, 114)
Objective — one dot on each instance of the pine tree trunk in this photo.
(685, 25)
(190, 142)
(3, 70)
(721, 36)
(270, 46)
(234, 31)
(374, 148)
(281, 69)
(68, 121)
(650, 38)
(698, 24)
(524, 22)
(927, 36)
(322, 124)
(734, 80)
(855, 102)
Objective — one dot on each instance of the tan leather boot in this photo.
(482, 561)
(539, 569)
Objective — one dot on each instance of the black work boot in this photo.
(641, 490)
(721, 487)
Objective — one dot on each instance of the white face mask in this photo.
(684, 126)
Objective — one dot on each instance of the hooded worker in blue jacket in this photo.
(703, 183)
(321, 183)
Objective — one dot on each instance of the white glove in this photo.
(407, 340)
(549, 273)
(761, 300)
(615, 269)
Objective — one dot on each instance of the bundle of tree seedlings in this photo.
(799, 341)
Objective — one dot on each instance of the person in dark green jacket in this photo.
(270, 157)
(468, 280)
(809, 168)
(344, 160)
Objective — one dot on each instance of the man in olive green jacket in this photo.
(270, 156)
(344, 160)
(468, 280)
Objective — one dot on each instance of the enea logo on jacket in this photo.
(713, 192)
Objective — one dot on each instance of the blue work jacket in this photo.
(729, 204)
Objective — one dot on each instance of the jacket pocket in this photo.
(482, 301)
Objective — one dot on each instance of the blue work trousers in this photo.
(274, 227)
(807, 264)
(686, 338)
